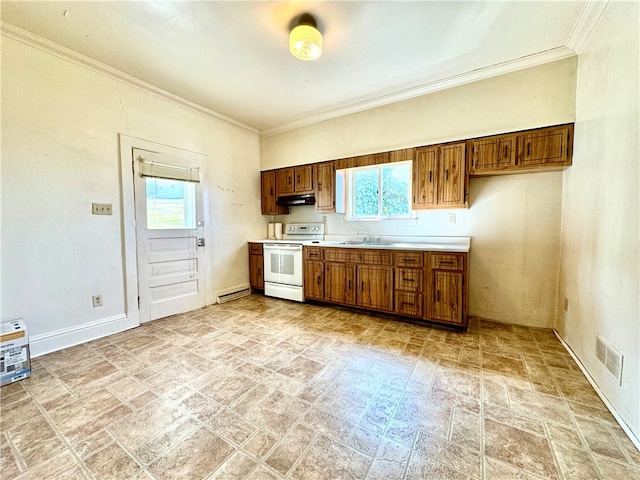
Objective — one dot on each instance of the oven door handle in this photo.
(283, 247)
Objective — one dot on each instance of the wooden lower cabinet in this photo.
(375, 287)
(314, 280)
(339, 283)
(446, 301)
(256, 265)
(447, 291)
(421, 285)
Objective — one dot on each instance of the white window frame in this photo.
(349, 191)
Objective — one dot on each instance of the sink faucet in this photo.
(366, 233)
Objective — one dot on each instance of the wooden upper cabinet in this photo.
(490, 154)
(546, 146)
(303, 179)
(294, 180)
(284, 181)
(439, 177)
(269, 195)
(453, 175)
(425, 171)
(325, 174)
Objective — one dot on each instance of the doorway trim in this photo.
(128, 214)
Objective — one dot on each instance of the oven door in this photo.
(283, 264)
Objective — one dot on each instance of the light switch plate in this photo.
(101, 208)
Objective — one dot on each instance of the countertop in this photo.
(429, 244)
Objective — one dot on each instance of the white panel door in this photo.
(169, 224)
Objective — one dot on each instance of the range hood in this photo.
(292, 200)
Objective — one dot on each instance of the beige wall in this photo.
(60, 153)
(538, 96)
(600, 229)
(514, 221)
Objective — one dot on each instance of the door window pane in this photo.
(171, 204)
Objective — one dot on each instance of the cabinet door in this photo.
(303, 179)
(545, 146)
(256, 279)
(284, 181)
(325, 190)
(339, 283)
(446, 296)
(425, 173)
(409, 303)
(268, 197)
(409, 279)
(452, 175)
(375, 287)
(314, 280)
(491, 154)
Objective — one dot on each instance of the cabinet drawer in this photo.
(446, 261)
(341, 255)
(373, 257)
(408, 303)
(255, 249)
(359, 256)
(312, 253)
(409, 259)
(409, 279)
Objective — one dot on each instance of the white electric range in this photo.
(283, 264)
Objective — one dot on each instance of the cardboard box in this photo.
(15, 361)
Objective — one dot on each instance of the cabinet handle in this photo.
(349, 287)
(318, 279)
(446, 174)
(319, 186)
(408, 260)
(446, 262)
(430, 176)
(271, 191)
(437, 295)
(506, 151)
(528, 148)
(362, 286)
(407, 303)
(405, 279)
(298, 179)
(259, 271)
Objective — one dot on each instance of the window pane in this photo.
(395, 190)
(170, 204)
(365, 193)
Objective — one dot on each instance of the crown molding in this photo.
(426, 88)
(64, 53)
(591, 15)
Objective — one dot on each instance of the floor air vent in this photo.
(228, 297)
(610, 357)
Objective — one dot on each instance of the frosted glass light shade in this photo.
(305, 42)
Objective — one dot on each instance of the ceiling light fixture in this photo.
(305, 40)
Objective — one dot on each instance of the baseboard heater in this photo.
(230, 296)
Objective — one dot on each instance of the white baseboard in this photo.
(602, 396)
(70, 336)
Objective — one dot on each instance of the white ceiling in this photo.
(232, 57)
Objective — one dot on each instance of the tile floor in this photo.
(264, 389)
